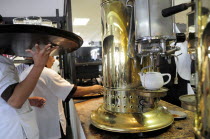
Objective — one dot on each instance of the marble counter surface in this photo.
(179, 129)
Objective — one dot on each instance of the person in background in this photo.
(54, 89)
(180, 70)
(17, 117)
(174, 90)
(56, 65)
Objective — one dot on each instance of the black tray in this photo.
(15, 39)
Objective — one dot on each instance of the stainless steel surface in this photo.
(202, 20)
(127, 101)
(149, 21)
(153, 31)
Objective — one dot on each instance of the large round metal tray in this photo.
(15, 39)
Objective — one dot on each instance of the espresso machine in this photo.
(199, 47)
(135, 35)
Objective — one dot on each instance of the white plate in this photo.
(178, 114)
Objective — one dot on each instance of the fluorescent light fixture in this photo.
(80, 21)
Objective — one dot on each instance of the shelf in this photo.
(89, 63)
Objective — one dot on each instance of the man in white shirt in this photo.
(15, 112)
(53, 88)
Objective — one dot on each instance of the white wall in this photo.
(18, 8)
(182, 16)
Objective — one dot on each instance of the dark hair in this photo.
(1, 19)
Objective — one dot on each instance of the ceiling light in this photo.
(80, 21)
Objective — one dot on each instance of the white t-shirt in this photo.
(52, 87)
(21, 67)
(14, 123)
(56, 66)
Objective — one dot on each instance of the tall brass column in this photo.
(202, 119)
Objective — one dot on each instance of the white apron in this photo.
(183, 63)
(28, 121)
(77, 130)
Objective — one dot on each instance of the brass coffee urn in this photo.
(135, 35)
(202, 22)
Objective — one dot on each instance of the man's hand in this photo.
(24, 89)
(83, 90)
(37, 101)
(40, 56)
(96, 89)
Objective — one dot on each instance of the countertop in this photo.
(179, 129)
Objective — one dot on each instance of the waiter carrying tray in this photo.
(17, 117)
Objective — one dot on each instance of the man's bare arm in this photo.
(24, 89)
(81, 91)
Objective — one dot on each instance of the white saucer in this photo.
(178, 114)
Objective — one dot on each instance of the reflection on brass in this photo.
(202, 118)
(136, 112)
(127, 107)
(131, 122)
(137, 101)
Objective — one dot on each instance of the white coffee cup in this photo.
(153, 80)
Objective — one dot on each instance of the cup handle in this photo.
(169, 77)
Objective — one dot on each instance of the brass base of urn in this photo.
(156, 119)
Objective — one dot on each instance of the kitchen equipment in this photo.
(15, 39)
(202, 24)
(88, 63)
(188, 102)
(199, 35)
(134, 35)
(153, 80)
